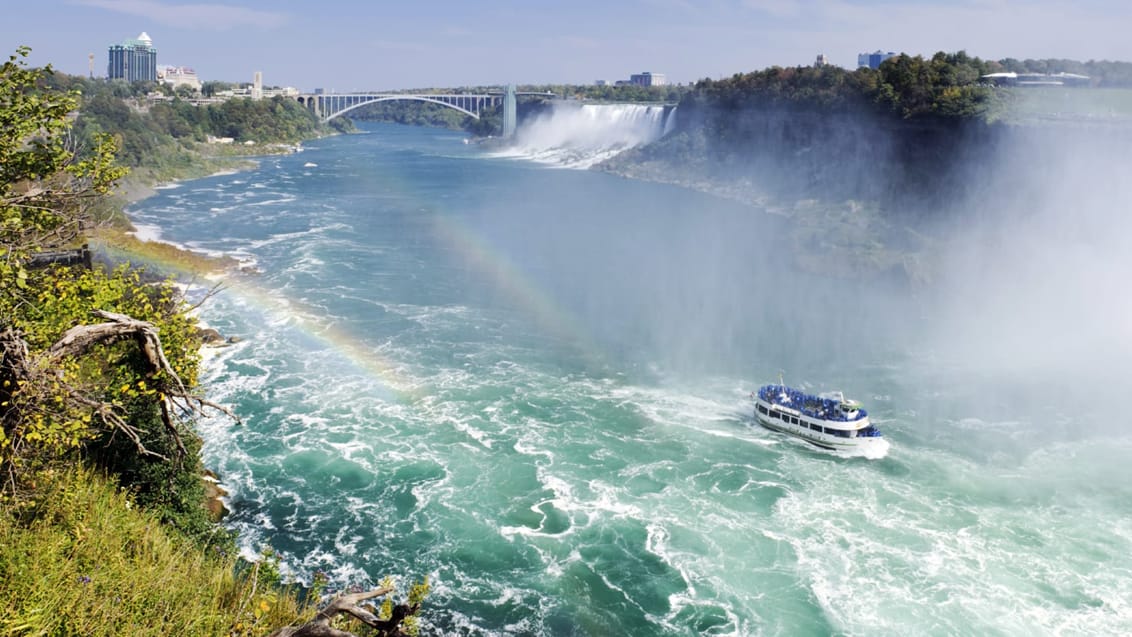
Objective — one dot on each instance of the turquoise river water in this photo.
(530, 384)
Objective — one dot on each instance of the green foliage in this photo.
(413, 113)
(825, 88)
(44, 427)
(57, 411)
(134, 554)
(159, 135)
(86, 560)
(45, 189)
(270, 120)
(668, 94)
(946, 86)
(31, 146)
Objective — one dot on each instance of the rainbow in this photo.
(490, 263)
(519, 288)
(394, 383)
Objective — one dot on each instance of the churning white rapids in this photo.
(531, 386)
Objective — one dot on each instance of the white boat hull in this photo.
(814, 430)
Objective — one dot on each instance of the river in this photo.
(530, 384)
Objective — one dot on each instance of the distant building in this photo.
(133, 60)
(256, 90)
(648, 79)
(601, 82)
(179, 76)
(873, 60)
(821, 61)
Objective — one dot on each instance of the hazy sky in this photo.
(375, 44)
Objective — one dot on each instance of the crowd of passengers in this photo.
(812, 406)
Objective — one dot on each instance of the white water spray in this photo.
(579, 137)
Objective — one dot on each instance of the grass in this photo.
(83, 560)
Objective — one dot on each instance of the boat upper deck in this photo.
(810, 404)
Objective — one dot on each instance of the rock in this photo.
(213, 493)
(209, 336)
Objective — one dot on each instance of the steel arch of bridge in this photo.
(329, 106)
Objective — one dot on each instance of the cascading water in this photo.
(581, 136)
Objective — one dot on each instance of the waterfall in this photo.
(581, 136)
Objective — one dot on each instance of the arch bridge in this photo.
(327, 106)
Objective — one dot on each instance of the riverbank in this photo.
(121, 241)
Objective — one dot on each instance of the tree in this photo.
(81, 359)
(46, 186)
(184, 91)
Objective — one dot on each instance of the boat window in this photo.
(793, 420)
(762, 410)
(815, 427)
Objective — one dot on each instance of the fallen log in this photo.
(347, 604)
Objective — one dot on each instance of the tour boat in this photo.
(827, 420)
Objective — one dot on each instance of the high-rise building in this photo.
(133, 60)
(873, 60)
(648, 79)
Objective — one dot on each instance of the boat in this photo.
(828, 420)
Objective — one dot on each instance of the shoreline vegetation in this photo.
(105, 522)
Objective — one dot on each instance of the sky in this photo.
(347, 45)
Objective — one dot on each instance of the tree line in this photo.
(146, 129)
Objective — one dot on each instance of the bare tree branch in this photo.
(77, 341)
(347, 604)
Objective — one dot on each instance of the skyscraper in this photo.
(133, 60)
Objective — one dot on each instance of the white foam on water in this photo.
(272, 202)
(935, 557)
(147, 232)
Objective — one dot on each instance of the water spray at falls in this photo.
(581, 136)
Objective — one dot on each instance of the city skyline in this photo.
(352, 45)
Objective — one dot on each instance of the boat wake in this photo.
(875, 451)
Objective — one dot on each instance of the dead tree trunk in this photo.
(22, 369)
(347, 604)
